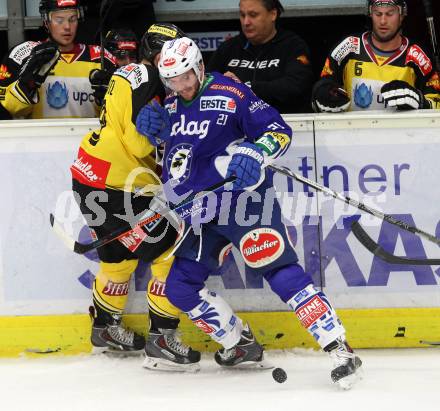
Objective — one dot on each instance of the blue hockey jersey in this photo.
(206, 130)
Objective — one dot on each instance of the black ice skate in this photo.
(115, 338)
(246, 354)
(347, 364)
(165, 352)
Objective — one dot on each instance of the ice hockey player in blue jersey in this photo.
(214, 127)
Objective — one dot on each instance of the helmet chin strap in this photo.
(202, 77)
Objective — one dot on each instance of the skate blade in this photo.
(349, 381)
(116, 353)
(161, 364)
(251, 365)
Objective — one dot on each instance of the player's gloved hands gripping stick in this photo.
(153, 122)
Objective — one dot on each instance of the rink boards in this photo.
(389, 161)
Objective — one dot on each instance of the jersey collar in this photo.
(370, 51)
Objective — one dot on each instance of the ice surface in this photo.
(394, 379)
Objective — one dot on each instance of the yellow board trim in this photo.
(372, 328)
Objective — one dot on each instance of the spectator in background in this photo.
(50, 78)
(123, 44)
(378, 69)
(274, 62)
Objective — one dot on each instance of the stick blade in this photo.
(59, 231)
(377, 250)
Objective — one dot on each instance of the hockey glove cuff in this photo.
(400, 94)
(246, 165)
(329, 97)
(153, 122)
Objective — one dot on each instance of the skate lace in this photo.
(341, 356)
(121, 334)
(227, 354)
(174, 343)
(246, 338)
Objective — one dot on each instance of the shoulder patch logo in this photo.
(136, 74)
(434, 82)
(416, 55)
(95, 54)
(349, 45)
(19, 53)
(326, 70)
(303, 59)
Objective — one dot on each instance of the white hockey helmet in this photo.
(179, 56)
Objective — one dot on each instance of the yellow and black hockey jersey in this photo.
(66, 92)
(116, 156)
(362, 71)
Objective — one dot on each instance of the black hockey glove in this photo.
(400, 94)
(329, 97)
(99, 80)
(37, 67)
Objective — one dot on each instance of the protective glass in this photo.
(181, 82)
(60, 20)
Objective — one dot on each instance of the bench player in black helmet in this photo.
(114, 153)
(378, 69)
(123, 44)
(49, 78)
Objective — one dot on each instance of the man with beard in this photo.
(272, 61)
(378, 69)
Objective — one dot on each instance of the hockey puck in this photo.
(279, 375)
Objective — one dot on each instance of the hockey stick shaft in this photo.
(103, 14)
(432, 32)
(82, 248)
(379, 214)
(378, 251)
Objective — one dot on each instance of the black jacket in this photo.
(279, 71)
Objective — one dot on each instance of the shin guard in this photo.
(215, 317)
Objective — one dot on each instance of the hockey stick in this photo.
(434, 343)
(377, 250)
(432, 32)
(103, 14)
(379, 214)
(82, 248)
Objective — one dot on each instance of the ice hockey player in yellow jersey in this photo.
(114, 163)
(50, 78)
(378, 69)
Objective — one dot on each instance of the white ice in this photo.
(394, 379)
